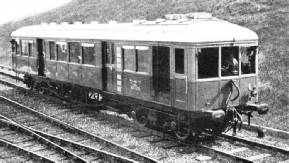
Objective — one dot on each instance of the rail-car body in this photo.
(173, 73)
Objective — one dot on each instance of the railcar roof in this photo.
(189, 31)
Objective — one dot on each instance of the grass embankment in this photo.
(267, 17)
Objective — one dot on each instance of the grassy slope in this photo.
(269, 18)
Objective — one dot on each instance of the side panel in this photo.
(207, 95)
(75, 71)
(51, 69)
(136, 85)
(22, 64)
(91, 76)
(62, 71)
(33, 65)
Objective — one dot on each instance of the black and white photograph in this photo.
(149, 81)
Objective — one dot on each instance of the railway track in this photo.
(244, 150)
(33, 145)
(82, 142)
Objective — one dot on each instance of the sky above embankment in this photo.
(12, 10)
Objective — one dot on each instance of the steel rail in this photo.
(31, 154)
(258, 144)
(78, 131)
(109, 156)
(10, 123)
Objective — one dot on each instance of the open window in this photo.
(248, 59)
(61, 50)
(208, 61)
(74, 52)
(230, 61)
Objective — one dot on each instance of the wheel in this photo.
(41, 90)
(142, 117)
(183, 131)
(30, 85)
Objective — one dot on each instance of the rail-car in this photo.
(186, 73)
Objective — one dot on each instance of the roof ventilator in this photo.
(77, 23)
(94, 22)
(64, 23)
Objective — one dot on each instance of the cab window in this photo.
(248, 59)
(230, 61)
(208, 61)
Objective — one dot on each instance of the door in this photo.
(109, 74)
(41, 60)
(161, 74)
(180, 77)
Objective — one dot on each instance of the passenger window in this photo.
(52, 50)
(230, 61)
(143, 59)
(74, 52)
(30, 49)
(129, 58)
(208, 62)
(179, 61)
(61, 50)
(88, 54)
(248, 59)
(24, 47)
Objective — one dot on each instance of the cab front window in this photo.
(230, 61)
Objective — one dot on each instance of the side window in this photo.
(30, 48)
(208, 61)
(74, 52)
(61, 50)
(52, 50)
(88, 54)
(179, 61)
(143, 59)
(248, 59)
(24, 47)
(230, 61)
(108, 49)
(129, 58)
